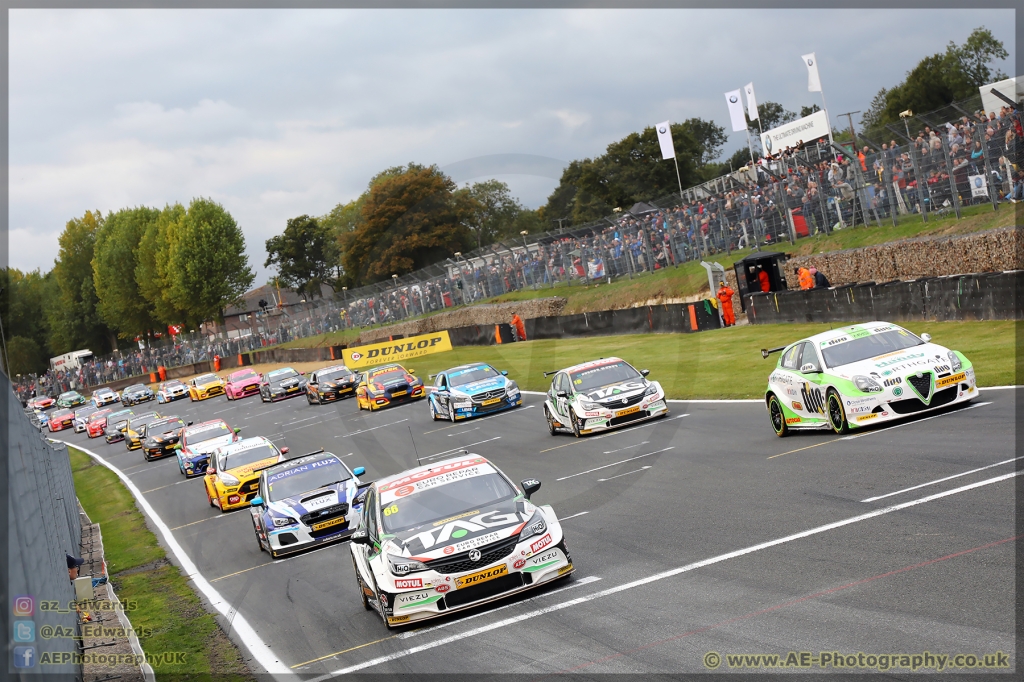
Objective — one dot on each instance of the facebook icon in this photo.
(24, 657)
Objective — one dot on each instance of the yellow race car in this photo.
(388, 385)
(136, 429)
(205, 386)
(232, 479)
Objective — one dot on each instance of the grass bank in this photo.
(140, 572)
(721, 363)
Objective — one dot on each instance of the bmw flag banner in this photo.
(751, 102)
(979, 188)
(668, 150)
(813, 81)
(736, 111)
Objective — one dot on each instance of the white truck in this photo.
(70, 361)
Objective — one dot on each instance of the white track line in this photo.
(566, 518)
(941, 480)
(259, 649)
(373, 428)
(915, 421)
(628, 447)
(299, 421)
(645, 468)
(461, 637)
(458, 449)
(590, 471)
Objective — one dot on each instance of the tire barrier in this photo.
(982, 296)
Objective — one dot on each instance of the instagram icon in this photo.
(24, 606)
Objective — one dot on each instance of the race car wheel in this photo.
(451, 412)
(210, 500)
(777, 417)
(836, 413)
(433, 412)
(359, 584)
(309, 399)
(552, 429)
(259, 542)
(574, 422)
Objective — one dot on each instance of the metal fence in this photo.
(43, 524)
(930, 166)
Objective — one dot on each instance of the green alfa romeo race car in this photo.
(861, 375)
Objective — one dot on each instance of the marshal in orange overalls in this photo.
(725, 296)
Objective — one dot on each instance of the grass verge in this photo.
(140, 572)
(721, 363)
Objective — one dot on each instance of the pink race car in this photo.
(244, 382)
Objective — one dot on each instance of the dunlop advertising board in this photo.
(397, 350)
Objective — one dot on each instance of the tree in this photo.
(409, 220)
(807, 111)
(559, 207)
(208, 268)
(771, 115)
(495, 211)
(709, 138)
(305, 255)
(152, 269)
(25, 355)
(72, 318)
(22, 309)
(114, 264)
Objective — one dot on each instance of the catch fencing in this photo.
(932, 165)
(43, 525)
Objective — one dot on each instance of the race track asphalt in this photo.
(699, 533)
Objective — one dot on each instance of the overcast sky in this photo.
(276, 113)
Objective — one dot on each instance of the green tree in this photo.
(114, 264)
(495, 211)
(207, 264)
(152, 269)
(559, 207)
(306, 255)
(807, 111)
(25, 355)
(709, 138)
(771, 115)
(409, 220)
(72, 318)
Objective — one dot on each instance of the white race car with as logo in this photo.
(451, 535)
(861, 375)
(601, 395)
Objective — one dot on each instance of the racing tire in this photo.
(778, 417)
(210, 500)
(309, 400)
(359, 584)
(191, 399)
(451, 411)
(836, 413)
(574, 422)
(433, 412)
(259, 543)
(552, 429)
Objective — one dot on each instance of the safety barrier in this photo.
(981, 296)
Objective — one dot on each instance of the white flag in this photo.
(736, 110)
(751, 102)
(813, 82)
(668, 150)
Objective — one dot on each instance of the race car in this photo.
(136, 394)
(244, 382)
(136, 429)
(282, 383)
(305, 502)
(205, 386)
(82, 415)
(117, 422)
(70, 399)
(233, 476)
(449, 536)
(104, 396)
(331, 383)
(388, 385)
(40, 419)
(471, 391)
(198, 443)
(169, 391)
(41, 402)
(601, 395)
(862, 375)
(97, 422)
(160, 437)
(60, 420)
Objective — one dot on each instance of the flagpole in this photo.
(678, 178)
(828, 122)
(750, 147)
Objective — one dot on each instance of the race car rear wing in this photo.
(547, 374)
(765, 352)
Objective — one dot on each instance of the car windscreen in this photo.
(207, 433)
(206, 379)
(243, 376)
(164, 425)
(276, 377)
(173, 384)
(305, 477)
(387, 375)
(98, 416)
(334, 374)
(84, 412)
(596, 377)
(137, 423)
(137, 388)
(62, 414)
(444, 501)
(869, 347)
(233, 460)
(69, 395)
(468, 376)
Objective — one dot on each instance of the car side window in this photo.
(369, 508)
(809, 355)
(562, 383)
(312, 378)
(791, 358)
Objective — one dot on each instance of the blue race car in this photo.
(472, 390)
(306, 502)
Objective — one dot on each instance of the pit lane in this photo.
(640, 504)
